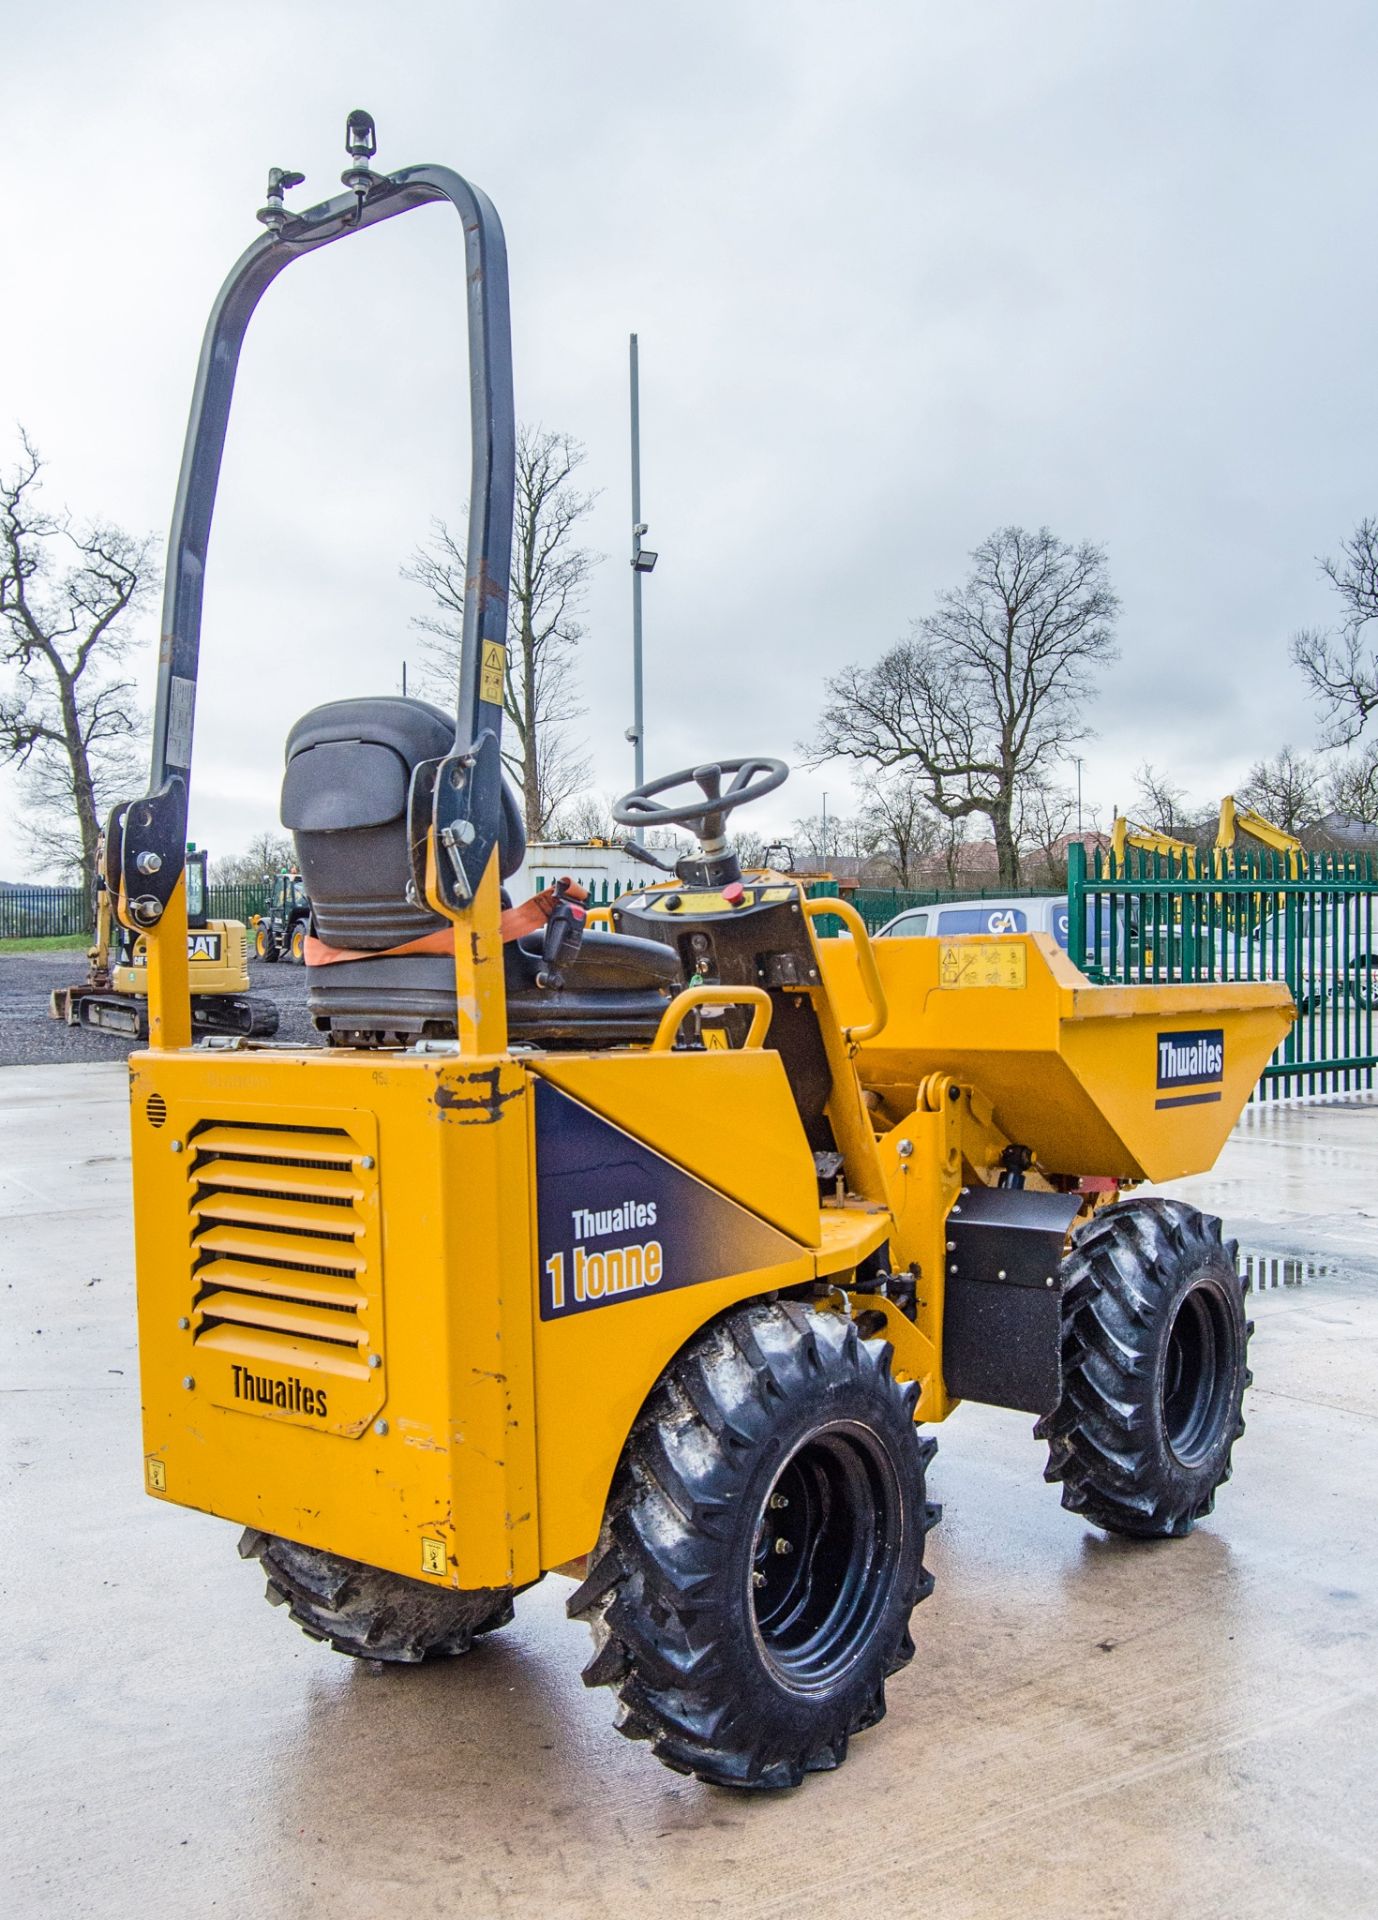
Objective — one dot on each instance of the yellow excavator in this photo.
(114, 995)
(1236, 820)
(1126, 833)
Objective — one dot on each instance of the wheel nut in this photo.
(758, 1579)
(783, 1546)
(778, 1500)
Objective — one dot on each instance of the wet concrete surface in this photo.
(1089, 1728)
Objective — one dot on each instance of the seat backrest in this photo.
(344, 800)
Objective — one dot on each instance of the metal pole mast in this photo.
(638, 528)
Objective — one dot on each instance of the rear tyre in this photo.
(1154, 1367)
(265, 946)
(297, 947)
(762, 1549)
(370, 1614)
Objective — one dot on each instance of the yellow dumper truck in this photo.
(648, 1255)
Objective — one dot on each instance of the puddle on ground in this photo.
(1263, 1271)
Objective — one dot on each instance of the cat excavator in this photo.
(113, 998)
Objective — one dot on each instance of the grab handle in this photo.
(844, 911)
(673, 1017)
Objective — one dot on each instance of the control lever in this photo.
(635, 851)
(564, 935)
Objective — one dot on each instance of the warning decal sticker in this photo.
(617, 1220)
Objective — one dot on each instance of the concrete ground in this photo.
(1090, 1729)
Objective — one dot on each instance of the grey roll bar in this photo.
(461, 795)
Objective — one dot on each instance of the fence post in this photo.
(1076, 904)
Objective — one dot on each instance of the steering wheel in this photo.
(752, 779)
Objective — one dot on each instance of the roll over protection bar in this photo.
(459, 796)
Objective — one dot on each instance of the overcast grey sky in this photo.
(901, 272)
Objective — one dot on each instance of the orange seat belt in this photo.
(529, 917)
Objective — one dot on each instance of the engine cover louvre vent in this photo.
(285, 1268)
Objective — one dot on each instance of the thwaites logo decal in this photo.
(617, 1221)
(1191, 1067)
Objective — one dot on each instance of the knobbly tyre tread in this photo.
(368, 1613)
(658, 1588)
(1105, 1440)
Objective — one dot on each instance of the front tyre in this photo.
(367, 1612)
(265, 946)
(1154, 1367)
(762, 1549)
(1363, 982)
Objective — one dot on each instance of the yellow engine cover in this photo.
(406, 1307)
(217, 956)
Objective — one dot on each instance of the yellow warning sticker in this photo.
(494, 668)
(982, 963)
(716, 1037)
(157, 1475)
(432, 1556)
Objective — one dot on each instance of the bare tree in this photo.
(1046, 813)
(1286, 789)
(267, 853)
(588, 816)
(989, 686)
(67, 718)
(953, 839)
(819, 839)
(1352, 789)
(1161, 805)
(904, 826)
(549, 572)
(584, 816)
(1341, 667)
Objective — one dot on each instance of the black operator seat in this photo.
(344, 799)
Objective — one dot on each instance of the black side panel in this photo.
(1002, 1320)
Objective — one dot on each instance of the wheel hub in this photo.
(824, 1554)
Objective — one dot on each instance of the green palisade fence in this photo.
(877, 905)
(47, 913)
(1306, 918)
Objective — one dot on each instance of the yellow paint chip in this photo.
(157, 1475)
(432, 1556)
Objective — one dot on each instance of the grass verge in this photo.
(53, 943)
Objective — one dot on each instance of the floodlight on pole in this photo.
(643, 561)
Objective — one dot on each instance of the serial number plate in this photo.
(982, 963)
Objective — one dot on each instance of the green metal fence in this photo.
(44, 913)
(876, 905)
(47, 913)
(1306, 918)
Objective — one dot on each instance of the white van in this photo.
(1041, 913)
